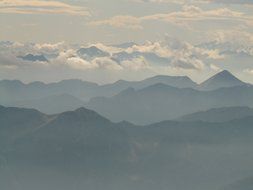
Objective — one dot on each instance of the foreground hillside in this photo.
(82, 150)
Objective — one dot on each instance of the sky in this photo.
(197, 38)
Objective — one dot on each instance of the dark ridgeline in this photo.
(82, 150)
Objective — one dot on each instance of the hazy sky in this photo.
(197, 37)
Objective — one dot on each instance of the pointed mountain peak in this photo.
(225, 73)
(220, 80)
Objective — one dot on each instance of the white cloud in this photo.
(235, 42)
(105, 48)
(215, 68)
(196, 1)
(171, 53)
(70, 59)
(188, 14)
(8, 60)
(121, 21)
(151, 47)
(48, 47)
(231, 1)
(187, 62)
(107, 63)
(158, 1)
(249, 71)
(41, 7)
(232, 36)
(135, 64)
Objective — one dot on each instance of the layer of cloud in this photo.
(248, 71)
(231, 1)
(170, 56)
(230, 42)
(69, 58)
(188, 14)
(169, 53)
(121, 21)
(41, 7)
(196, 1)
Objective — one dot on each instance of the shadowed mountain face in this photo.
(83, 150)
(222, 79)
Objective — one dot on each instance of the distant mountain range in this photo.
(151, 100)
(82, 150)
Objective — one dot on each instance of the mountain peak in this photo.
(225, 73)
(220, 80)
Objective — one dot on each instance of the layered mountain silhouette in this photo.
(82, 150)
(142, 102)
(81, 89)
